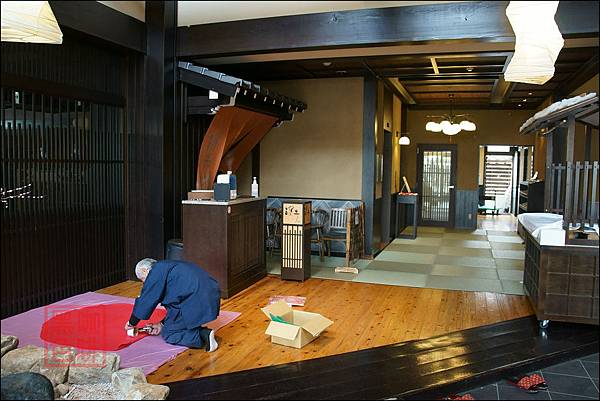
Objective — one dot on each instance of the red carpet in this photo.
(98, 327)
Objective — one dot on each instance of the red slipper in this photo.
(525, 383)
(458, 397)
(539, 381)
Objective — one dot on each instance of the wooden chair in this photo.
(273, 221)
(346, 226)
(318, 221)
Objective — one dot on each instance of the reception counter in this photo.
(227, 239)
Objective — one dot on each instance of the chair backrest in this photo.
(319, 217)
(272, 215)
(338, 219)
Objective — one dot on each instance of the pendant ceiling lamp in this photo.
(29, 21)
(449, 124)
(538, 41)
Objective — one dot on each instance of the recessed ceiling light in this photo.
(530, 93)
(470, 69)
(524, 100)
(341, 71)
(519, 104)
(326, 63)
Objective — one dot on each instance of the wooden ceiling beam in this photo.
(475, 21)
(502, 89)
(95, 19)
(586, 72)
(461, 81)
(449, 75)
(434, 65)
(405, 95)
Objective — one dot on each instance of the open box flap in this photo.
(317, 325)
(277, 309)
(287, 331)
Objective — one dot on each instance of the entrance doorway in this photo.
(501, 169)
(436, 175)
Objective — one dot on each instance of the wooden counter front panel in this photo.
(246, 239)
(226, 241)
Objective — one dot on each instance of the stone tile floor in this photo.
(573, 380)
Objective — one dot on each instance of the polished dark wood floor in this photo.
(364, 316)
(421, 369)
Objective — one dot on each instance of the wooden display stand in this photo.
(295, 242)
(561, 281)
(407, 199)
(227, 239)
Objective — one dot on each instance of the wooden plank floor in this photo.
(365, 316)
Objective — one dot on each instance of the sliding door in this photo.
(436, 169)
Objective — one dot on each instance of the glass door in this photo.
(436, 167)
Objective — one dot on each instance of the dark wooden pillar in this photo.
(568, 208)
(549, 179)
(160, 111)
(588, 143)
(386, 198)
(256, 163)
(368, 158)
(172, 123)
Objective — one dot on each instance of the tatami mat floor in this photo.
(479, 260)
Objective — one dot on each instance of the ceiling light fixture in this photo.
(449, 125)
(530, 93)
(29, 21)
(470, 69)
(326, 63)
(538, 41)
(404, 140)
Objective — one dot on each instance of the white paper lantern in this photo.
(29, 21)
(538, 41)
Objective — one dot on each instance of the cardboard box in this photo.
(302, 327)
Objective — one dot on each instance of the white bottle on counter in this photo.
(232, 184)
(254, 188)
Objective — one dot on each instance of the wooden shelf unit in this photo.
(531, 197)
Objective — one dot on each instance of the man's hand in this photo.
(155, 329)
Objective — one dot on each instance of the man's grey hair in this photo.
(144, 266)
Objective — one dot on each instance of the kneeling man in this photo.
(191, 297)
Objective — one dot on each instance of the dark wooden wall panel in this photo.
(72, 152)
(466, 203)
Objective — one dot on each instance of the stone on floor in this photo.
(9, 343)
(147, 392)
(97, 391)
(20, 360)
(93, 368)
(26, 386)
(124, 379)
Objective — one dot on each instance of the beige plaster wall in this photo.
(319, 153)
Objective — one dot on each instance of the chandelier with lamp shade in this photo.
(450, 124)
